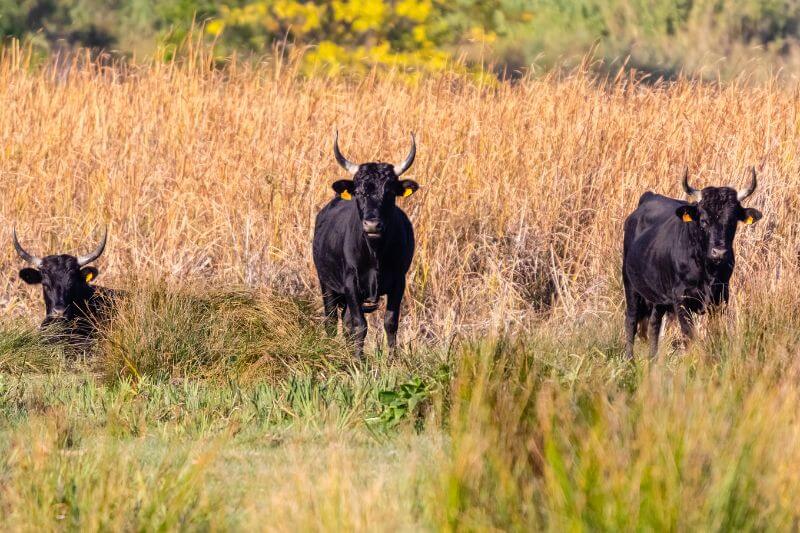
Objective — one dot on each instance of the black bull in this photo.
(678, 257)
(70, 300)
(363, 246)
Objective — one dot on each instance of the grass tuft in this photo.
(167, 332)
(23, 349)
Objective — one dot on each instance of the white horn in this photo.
(402, 167)
(84, 260)
(32, 259)
(691, 191)
(349, 166)
(747, 191)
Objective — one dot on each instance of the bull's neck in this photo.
(375, 249)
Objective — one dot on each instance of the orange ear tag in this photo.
(749, 220)
(345, 195)
(686, 217)
(408, 192)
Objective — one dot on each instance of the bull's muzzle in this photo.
(373, 229)
(718, 255)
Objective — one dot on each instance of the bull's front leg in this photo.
(355, 321)
(391, 319)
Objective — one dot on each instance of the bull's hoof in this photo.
(369, 306)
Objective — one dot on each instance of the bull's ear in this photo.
(344, 188)
(31, 276)
(687, 213)
(89, 273)
(406, 187)
(750, 215)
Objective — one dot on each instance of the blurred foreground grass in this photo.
(544, 429)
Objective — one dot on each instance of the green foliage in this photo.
(407, 399)
(661, 36)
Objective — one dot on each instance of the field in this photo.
(213, 402)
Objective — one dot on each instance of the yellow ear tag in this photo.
(686, 217)
(345, 195)
(749, 220)
(89, 277)
(408, 192)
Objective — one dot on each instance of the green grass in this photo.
(549, 428)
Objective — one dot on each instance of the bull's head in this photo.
(716, 214)
(64, 278)
(374, 188)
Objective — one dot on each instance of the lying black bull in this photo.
(70, 301)
(363, 248)
(678, 257)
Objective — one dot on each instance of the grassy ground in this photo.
(541, 429)
(212, 401)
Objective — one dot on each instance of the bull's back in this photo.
(652, 236)
(330, 231)
(653, 214)
(654, 210)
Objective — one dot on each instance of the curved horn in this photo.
(84, 260)
(32, 259)
(349, 166)
(691, 191)
(744, 193)
(402, 167)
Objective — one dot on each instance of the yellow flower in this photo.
(364, 15)
(477, 33)
(306, 16)
(415, 10)
(215, 27)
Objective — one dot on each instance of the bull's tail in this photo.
(642, 328)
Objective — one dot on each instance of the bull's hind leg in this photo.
(331, 302)
(636, 310)
(631, 323)
(654, 328)
(391, 318)
(686, 322)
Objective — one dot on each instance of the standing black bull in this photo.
(678, 257)
(70, 301)
(363, 246)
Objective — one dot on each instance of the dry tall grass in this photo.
(216, 175)
(213, 178)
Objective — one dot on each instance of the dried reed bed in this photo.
(216, 175)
